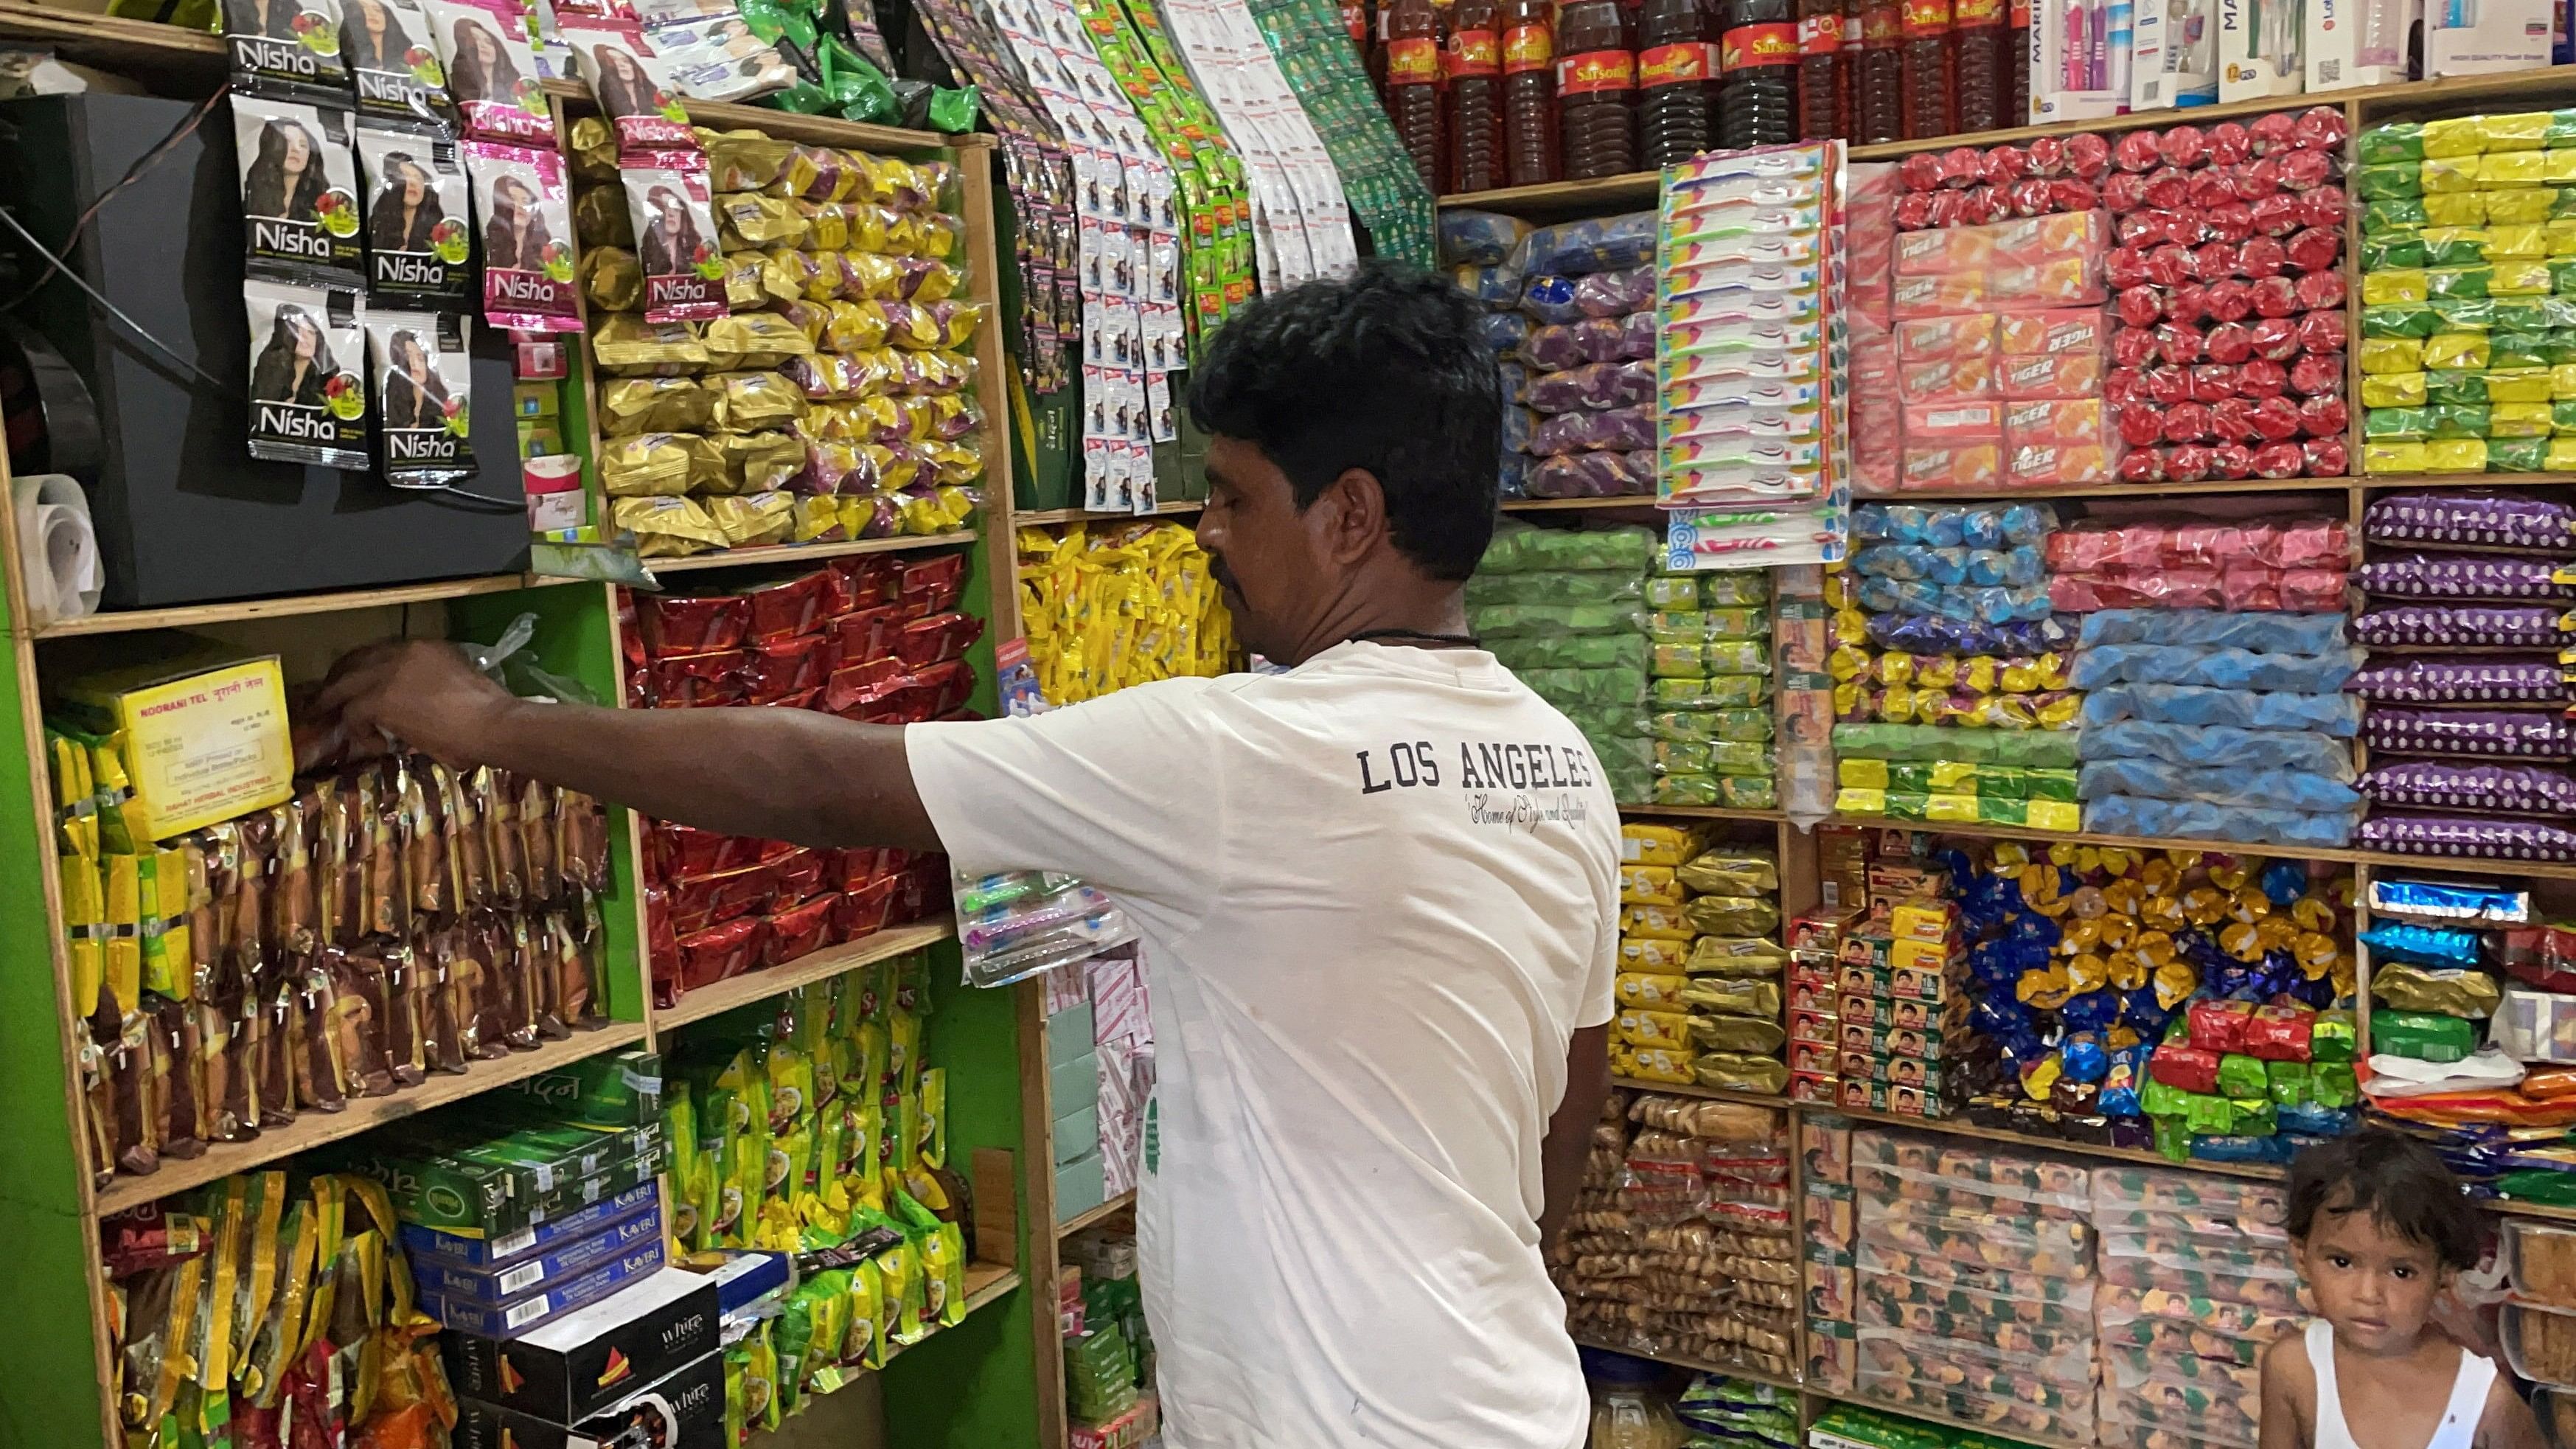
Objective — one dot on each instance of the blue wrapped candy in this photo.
(2086, 1061)
(2090, 1011)
(2123, 1069)
(2284, 882)
(2440, 947)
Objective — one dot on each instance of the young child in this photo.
(2379, 1228)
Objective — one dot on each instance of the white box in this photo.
(2258, 50)
(2080, 52)
(2173, 55)
(2481, 37)
(2357, 42)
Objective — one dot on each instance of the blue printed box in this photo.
(483, 1254)
(508, 1320)
(501, 1283)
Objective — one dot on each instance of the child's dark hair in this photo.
(2397, 1180)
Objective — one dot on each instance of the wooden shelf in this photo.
(1788, 1386)
(791, 126)
(822, 965)
(1961, 1127)
(1703, 812)
(313, 1129)
(1558, 505)
(1633, 191)
(1047, 517)
(796, 553)
(1984, 1432)
(171, 55)
(189, 616)
(1101, 1214)
(988, 1281)
(1713, 1094)
(2378, 859)
(2464, 480)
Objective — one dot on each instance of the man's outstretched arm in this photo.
(779, 774)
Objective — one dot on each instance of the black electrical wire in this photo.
(95, 295)
(142, 166)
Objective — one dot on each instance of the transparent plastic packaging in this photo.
(1016, 925)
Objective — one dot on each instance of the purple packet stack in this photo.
(2443, 785)
(2463, 576)
(2524, 733)
(2462, 681)
(1596, 386)
(2456, 835)
(2531, 626)
(1591, 475)
(1615, 294)
(2486, 520)
(1621, 430)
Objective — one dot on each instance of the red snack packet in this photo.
(2278, 216)
(669, 626)
(1989, 203)
(847, 685)
(847, 870)
(2231, 419)
(702, 902)
(2143, 465)
(2324, 416)
(2276, 297)
(2321, 206)
(2275, 338)
(940, 637)
(2184, 146)
(2047, 156)
(2326, 457)
(2323, 128)
(864, 912)
(2261, 256)
(2212, 382)
(2301, 170)
(2186, 423)
(931, 585)
(2141, 424)
(2003, 165)
(2212, 189)
(947, 685)
(2088, 156)
(2133, 347)
(2052, 375)
(799, 873)
(2320, 290)
(2230, 342)
(2229, 300)
(2139, 306)
(1962, 166)
(2229, 221)
(2279, 1033)
(2165, 386)
(2322, 331)
(2188, 464)
(1919, 172)
(682, 852)
(2275, 420)
(2168, 189)
(2278, 131)
(780, 611)
(2216, 259)
(2229, 143)
(782, 667)
(869, 581)
(2124, 194)
(2171, 265)
(2278, 460)
(2136, 151)
(2231, 460)
(2185, 1068)
(2124, 266)
(864, 635)
(1914, 208)
(2067, 193)
(2256, 179)
(722, 952)
(2031, 196)
(799, 930)
(2179, 346)
(2314, 248)
(2261, 377)
(693, 681)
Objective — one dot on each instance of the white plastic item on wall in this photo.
(58, 548)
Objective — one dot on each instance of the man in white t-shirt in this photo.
(1378, 891)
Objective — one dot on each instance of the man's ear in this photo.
(1356, 520)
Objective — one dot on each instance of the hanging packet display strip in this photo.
(299, 188)
(1301, 222)
(307, 403)
(419, 231)
(1751, 430)
(1378, 180)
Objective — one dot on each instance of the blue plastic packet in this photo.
(2486, 905)
(2441, 947)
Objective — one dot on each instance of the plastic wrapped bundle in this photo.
(2199, 820)
(2447, 785)
(2524, 733)
(2337, 715)
(2464, 680)
(2486, 520)
(2479, 837)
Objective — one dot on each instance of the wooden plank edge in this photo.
(795, 125)
(1713, 1094)
(796, 553)
(1096, 1216)
(823, 965)
(1791, 1386)
(1041, 518)
(1703, 812)
(315, 1129)
(183, 616)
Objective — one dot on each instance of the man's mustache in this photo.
(1224, 576)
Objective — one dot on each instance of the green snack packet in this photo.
(2517, 455)
(2392, 213)
(2457, 420)
(2400, 319)
(2398, 141)
(2455, 387)
(2422, 1036)
(2396, 425)
(2330, 1037)
(2388, 181)
(2288, 1082)
(2240, 1076)
(2332, 1084)
(2394, 249)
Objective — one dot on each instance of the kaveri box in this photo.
(684, 1409)
(524, 1313)
(479, 1254)
(563, 1260)
(567, 1370)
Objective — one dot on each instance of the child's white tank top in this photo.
(2460, 1416)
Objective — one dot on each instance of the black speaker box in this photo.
(185, 515)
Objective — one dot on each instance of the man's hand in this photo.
(420, 693)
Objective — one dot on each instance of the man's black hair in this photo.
(2395, 1179)
(1386, 371)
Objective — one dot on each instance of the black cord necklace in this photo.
(1436, 641)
